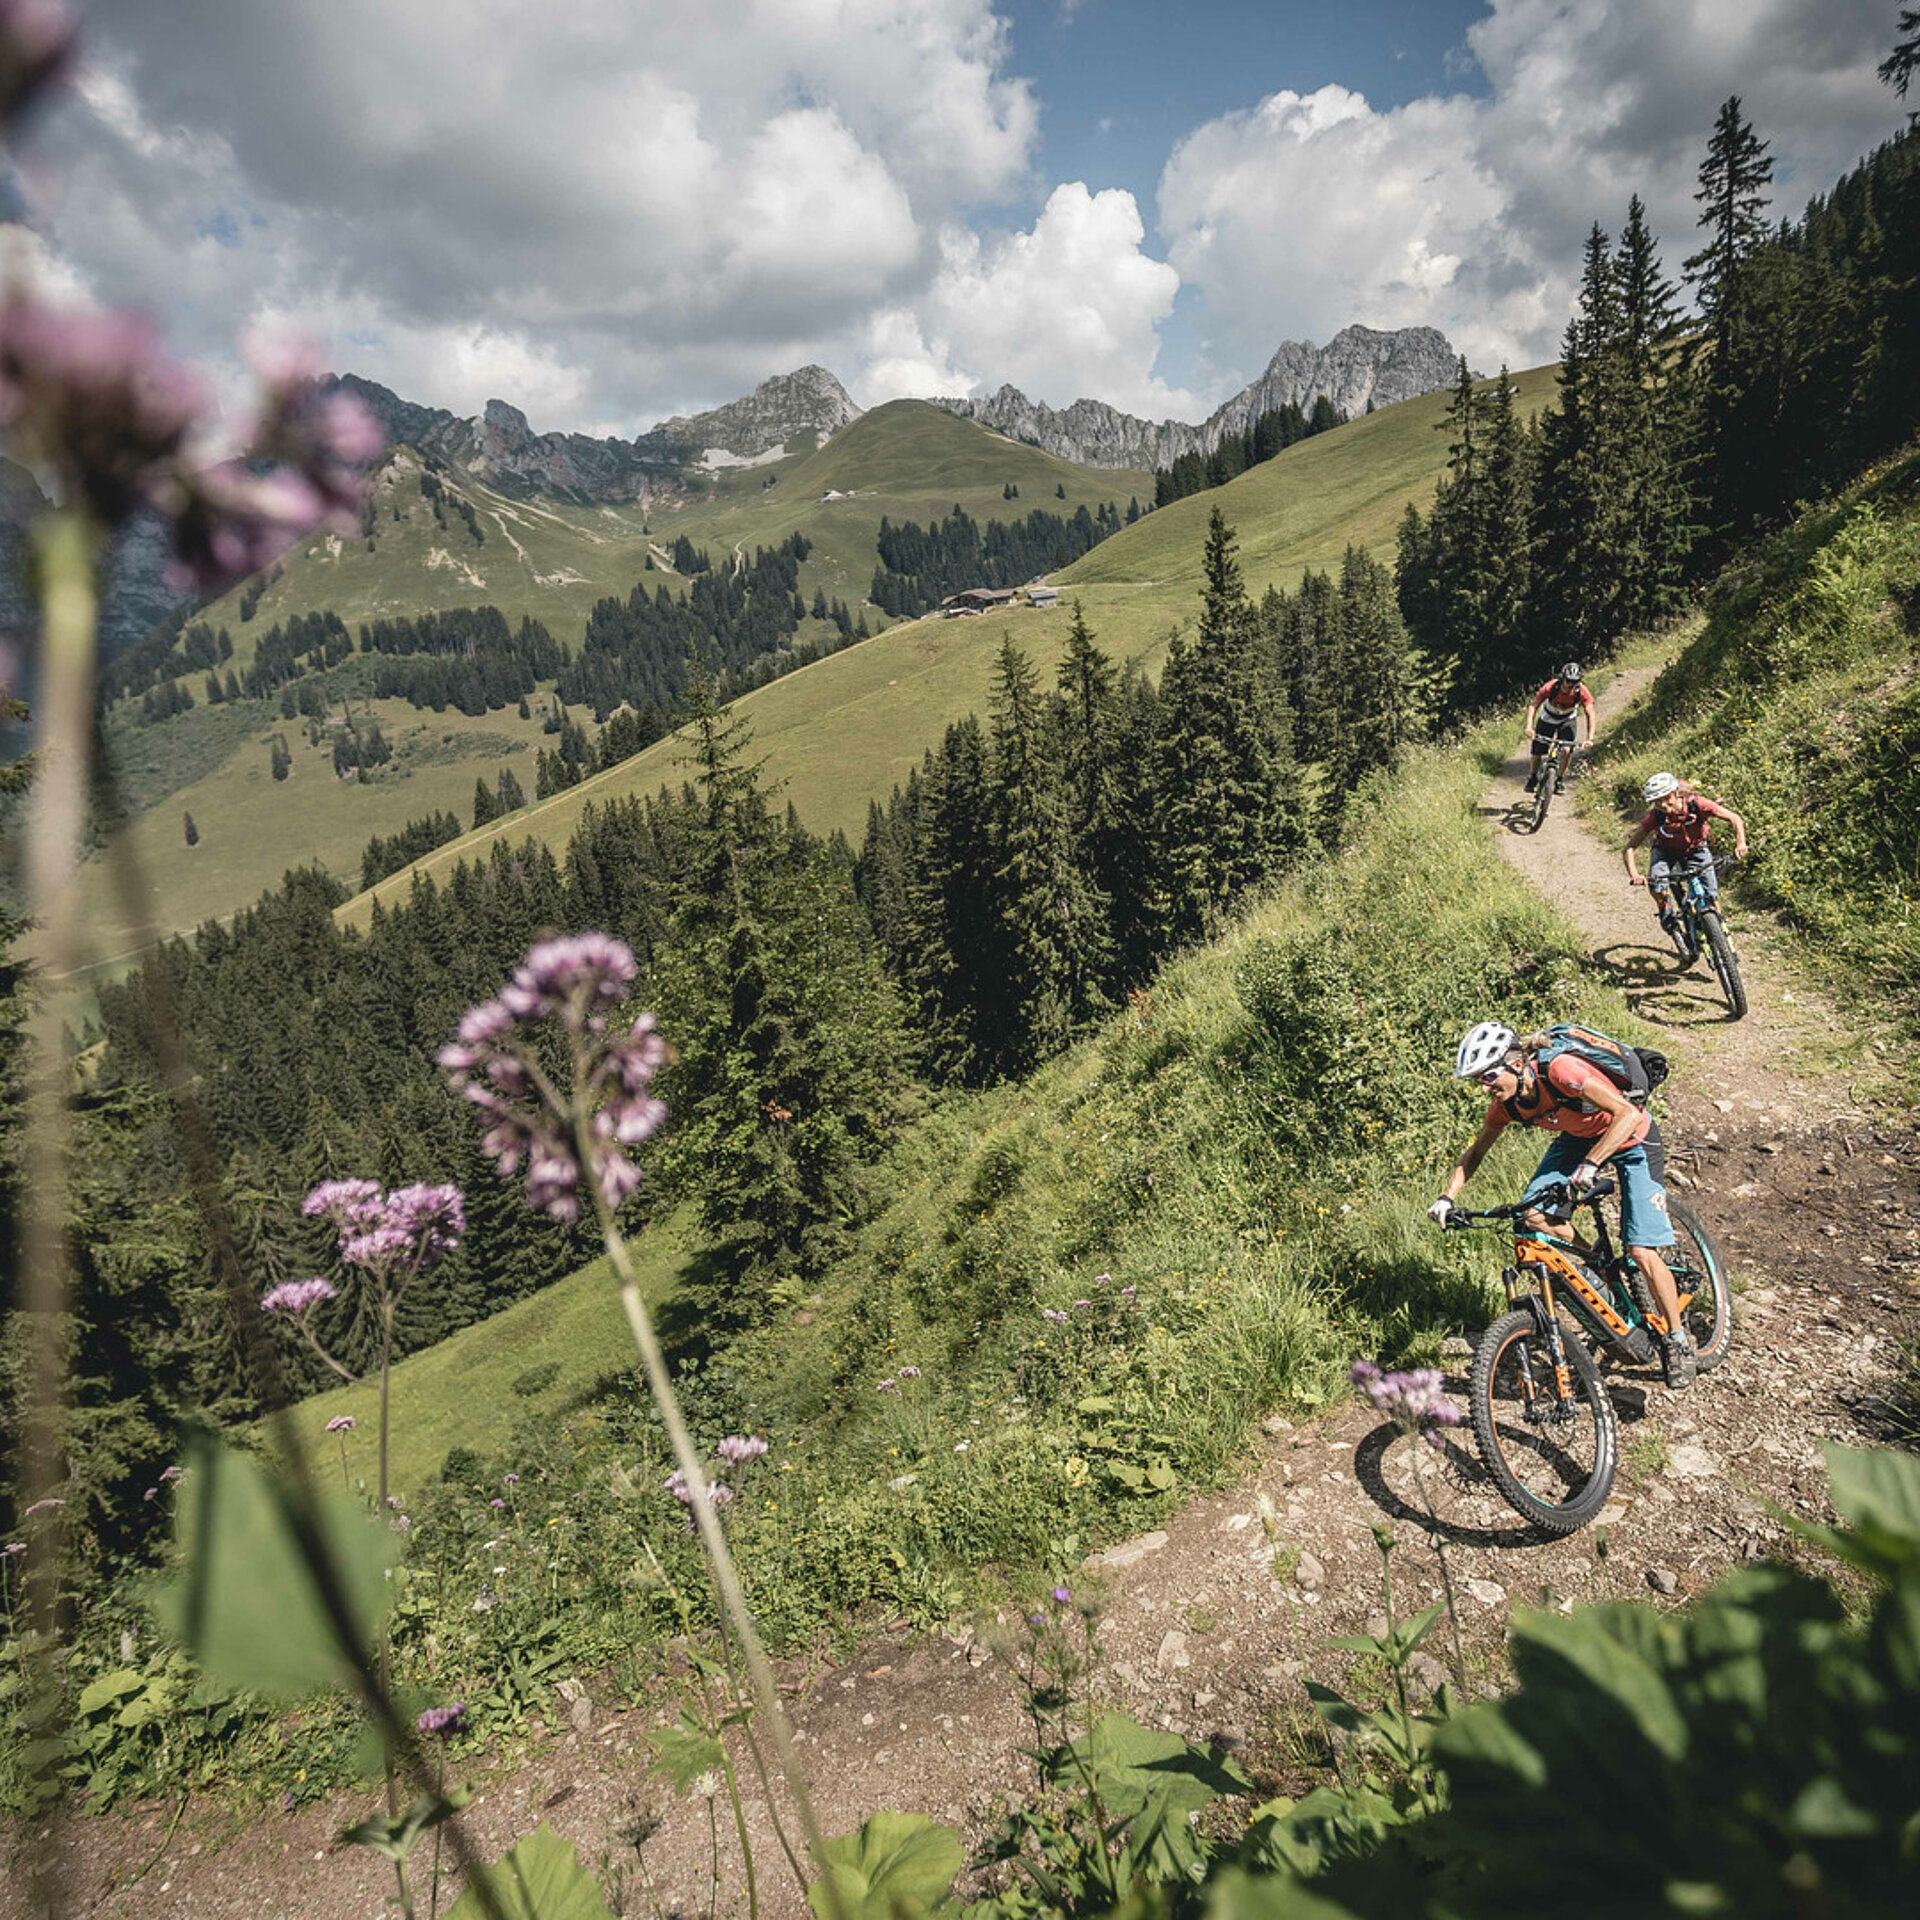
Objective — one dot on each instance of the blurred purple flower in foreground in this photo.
(37, 41)
(399, 1233)
(738, 1448)
(441, 1723)
(341, 1423)
(296, 1296)
(569, 986)
(1414, 1400)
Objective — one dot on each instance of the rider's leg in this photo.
(1660, 888)
(1644, 1225)
(1539, 753)
(1556, 1166)
(1700, 861)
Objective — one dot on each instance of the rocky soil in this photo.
(1207, 1630)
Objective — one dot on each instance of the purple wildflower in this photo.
(1082, 1304)
(888, 1386)
(530, 1124)
(170, 1474)
(909, 1373)
(738, 1448)
(37, 40)
(719, 1494)
(410, 1229)
(1414, 1400)
(676, 1484)
(1061, 1595)
(441, 1723)
(497, 1502)
(93, 393)
(296, 1296)
(349, 1204)
(509, 1479)
(12, 1547)
(1052, 1313)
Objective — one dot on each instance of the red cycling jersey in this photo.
(1564, 1109)
(1557, 710)
(1686, 832)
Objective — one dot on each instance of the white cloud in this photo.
(621, 187)
(1465, 213)
(1070, 308)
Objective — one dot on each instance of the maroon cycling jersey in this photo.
(1685, 832)
(1557, 709)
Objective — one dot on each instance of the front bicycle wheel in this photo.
(1543, 793)
(1551, 1455)
(1726, 964)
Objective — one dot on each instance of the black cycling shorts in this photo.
(1547, 733)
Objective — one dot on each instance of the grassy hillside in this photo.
(850, 728)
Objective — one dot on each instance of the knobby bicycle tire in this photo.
(1543, 795)
(1509, 1443)
(1726, 964)
(1709, 1317)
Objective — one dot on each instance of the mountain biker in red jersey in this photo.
(1596, 1126)
(1551, 717)
(1681, 828)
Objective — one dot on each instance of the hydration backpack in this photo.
(1636, 1071)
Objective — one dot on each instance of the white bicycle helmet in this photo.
(1485, 1046)
(1659, 787)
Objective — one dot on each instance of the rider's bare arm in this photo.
(1623, 1117)
(1636, 839)
(1475, 1153)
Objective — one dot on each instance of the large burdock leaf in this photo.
(897, 1864)
(541, 1879)
(249, 1602)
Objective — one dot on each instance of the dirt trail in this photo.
(1811, 1196)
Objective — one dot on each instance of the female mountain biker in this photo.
(1596, 1125)
(1681, 828)
(1551, 717)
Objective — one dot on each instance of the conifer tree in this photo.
(193, 832)
(1051, 919)
(485, 806)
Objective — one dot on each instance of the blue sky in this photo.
(615, 210)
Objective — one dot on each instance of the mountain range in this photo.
(1359, 369)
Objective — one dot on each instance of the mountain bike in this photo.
(1698, 928)
(1550, 782)
(1543, 1419)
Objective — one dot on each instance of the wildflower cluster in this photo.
(567, 986)
(1414, 1400)
(442, 1723)
(296, 1296)
(735, 1450)
(404, 1232)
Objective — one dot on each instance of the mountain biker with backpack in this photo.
(1585, 1089)
(1552, 715)
(1680, 825)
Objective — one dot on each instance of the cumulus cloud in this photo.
(1071, 307)
(1467, 213)
(611, 188)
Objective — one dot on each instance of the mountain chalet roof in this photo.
(979, 599)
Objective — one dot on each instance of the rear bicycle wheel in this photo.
(1552, 1458)
(1726, 964)
(1699, 1270)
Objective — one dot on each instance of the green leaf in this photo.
(1097, 1403)
(1825, 1812)
(685, 1752)
(1878, 1490)
(1235, 1895)
(898, 1863)
(109, 1688)
(1408, 1634)
(1150, 1782)
(541, 1879)
(1161, 1475)
(395, 1838)
(1546, 1646)
(247, 1605)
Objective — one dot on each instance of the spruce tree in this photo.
(1051, 919)
(485, 806)
(193, 832)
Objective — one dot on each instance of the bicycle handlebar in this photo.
(1460, 1220)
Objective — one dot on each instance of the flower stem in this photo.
(726, 1578)
(66, 546)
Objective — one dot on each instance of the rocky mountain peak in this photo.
(808, 399)
(1359, 367)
